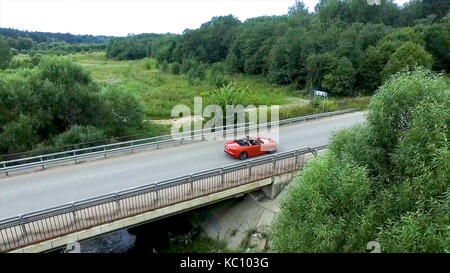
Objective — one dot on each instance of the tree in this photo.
(20, 135)
(123, 112)
(288, 56)
(384, 181)
(5, 54)
(406, 57)
(175, 68)
(67, 94)
(437, 42)
(317, 66)
(78, 134)
(250, 50)
(370, 71)
(341, 77)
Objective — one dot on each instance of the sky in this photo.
(121, 17)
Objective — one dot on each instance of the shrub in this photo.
(123, 112)
(78, 134)
(217, 75)
(175, 68)
(384, 181)
(164, 66)
(21, 62)
(20, 135)
(341, 77)
(196, 74)
(321, 207)
(407, 56)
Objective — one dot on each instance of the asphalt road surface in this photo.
(22, 193)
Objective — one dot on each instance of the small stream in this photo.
(147, 238)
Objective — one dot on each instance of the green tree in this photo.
(341, 77)
(78, 134)
(437, 42)
(317, 66)
(385, 181)
(123, 112)
(19, 135)
(370, 71)
(407, 56)
(288, 56)
(66, 94)
(175, 68)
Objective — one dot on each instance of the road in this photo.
(22, 193)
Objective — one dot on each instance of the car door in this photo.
(255, 149)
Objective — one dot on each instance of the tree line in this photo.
(345, 46)
(47, 37)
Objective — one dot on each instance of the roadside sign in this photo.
(320, 93)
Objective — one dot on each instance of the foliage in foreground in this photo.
(384, 181)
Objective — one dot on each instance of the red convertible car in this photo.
(247, 147)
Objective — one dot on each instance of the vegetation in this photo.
(384, 181)
(346, 47)
(57, 103)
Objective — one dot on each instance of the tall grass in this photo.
(161, 91)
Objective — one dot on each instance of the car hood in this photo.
(268, 140)
(232, 145)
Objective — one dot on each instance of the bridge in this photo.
(39, 213)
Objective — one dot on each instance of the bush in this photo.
(20, 135)
(164, 66)
(123, 112)
(217, 75)
(196, 74)
(78, 134)
(391, 108)
(384, 181)
(175, 68)
(321, 207)
(187, 65)
(68, 93)
(341, 77)
(21, 62)
(227, 95)
(407, 57)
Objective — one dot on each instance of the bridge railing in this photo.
(31, 228)
(104, 150)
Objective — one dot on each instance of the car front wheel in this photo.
(272, 150)
(243, 156)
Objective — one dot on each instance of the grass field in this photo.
(161, 91)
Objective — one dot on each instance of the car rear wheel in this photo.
(243, 156)
(272, 150)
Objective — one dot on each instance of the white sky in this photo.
(120, 17)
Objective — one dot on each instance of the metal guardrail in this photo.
(74, 155)
(31, 228)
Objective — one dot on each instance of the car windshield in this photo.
(242, 142)
(247, 142)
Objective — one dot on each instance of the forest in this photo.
(345, 47)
